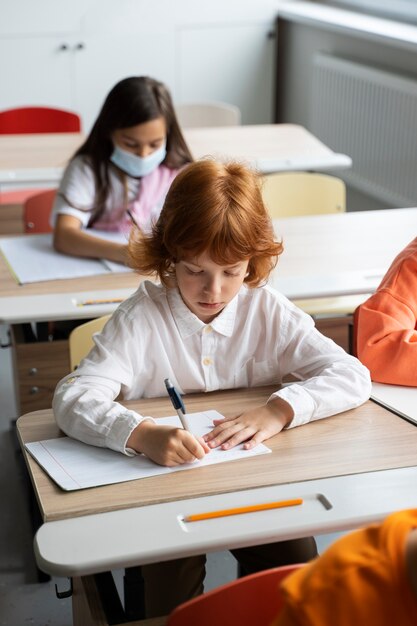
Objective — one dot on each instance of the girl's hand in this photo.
(71, 238)
(166, 445)
(251, 427)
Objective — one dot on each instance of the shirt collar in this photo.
(188, 323)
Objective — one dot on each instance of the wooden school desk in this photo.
(38, 160)
(38, 365)
(324, 255)
(267, 147)
(340, 254)
(340, 261)
(35, 159)
(351, 469)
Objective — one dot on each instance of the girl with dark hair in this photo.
(122, 172)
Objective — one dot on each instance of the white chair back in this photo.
(193, 115)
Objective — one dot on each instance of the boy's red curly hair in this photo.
(214, 207)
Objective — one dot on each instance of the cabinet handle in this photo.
(63, 47)
(33, 371)
(33, 390)
(79, 46)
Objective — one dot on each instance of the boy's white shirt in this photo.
(258, 339)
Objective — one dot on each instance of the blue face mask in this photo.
(135, 165)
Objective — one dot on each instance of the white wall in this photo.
(69, 53)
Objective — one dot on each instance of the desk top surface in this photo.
(36, 151)
(324, 255)
(363, 440)
(269, 147)
(340, 254)
(110, 281)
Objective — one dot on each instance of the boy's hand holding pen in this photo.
(167, 445)
(179, 406)
(177, 403)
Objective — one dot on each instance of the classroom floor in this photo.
(24, 600)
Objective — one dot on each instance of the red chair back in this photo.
(28, 120)
(36, 212)
(253, 599)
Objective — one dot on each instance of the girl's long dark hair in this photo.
(132, 101)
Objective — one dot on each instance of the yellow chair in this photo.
(290, 194)
(197, 114)
(80, 339)
(293, 194)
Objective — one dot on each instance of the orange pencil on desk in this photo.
(101, 301)
(243, 509)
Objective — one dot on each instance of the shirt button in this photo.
(208, 329)
(207, 361)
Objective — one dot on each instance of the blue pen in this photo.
(177, 403)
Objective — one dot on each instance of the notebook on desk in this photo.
(76, 465)
(398, 399)
(32, 259)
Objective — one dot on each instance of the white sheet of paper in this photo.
(32, 259)
(76, 465)
(112, 266)
(117, 268)
(399, 399)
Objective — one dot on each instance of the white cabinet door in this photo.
(42, 18)
(232, 63)
(198, 51)
(109, 57)
(35, 71)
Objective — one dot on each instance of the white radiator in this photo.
(371, 115)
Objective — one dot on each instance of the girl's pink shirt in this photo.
(145, 208)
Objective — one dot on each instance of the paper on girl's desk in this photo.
(75, 465)
(32, 259)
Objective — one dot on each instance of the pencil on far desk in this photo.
(101, 301)
(243, 509)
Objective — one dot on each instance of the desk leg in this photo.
(134, 592)
(86, 604)
(88, 609)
